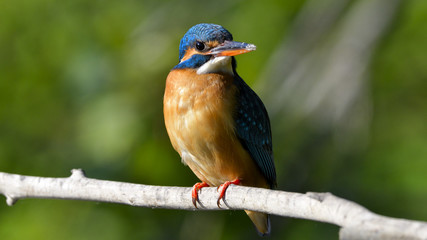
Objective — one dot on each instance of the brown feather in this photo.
(199, 117)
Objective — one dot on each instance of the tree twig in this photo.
(356, 222)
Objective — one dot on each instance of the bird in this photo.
(215, 121)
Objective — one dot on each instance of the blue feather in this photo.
(195, 61)
(253, 129)
(204, 32)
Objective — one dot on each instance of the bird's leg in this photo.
(195, 192)
(223, 187)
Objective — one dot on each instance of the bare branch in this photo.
(356, 221)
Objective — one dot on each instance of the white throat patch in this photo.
(217, 64)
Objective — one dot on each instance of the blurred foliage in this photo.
(81, 85)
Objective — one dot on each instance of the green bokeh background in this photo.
(81, 86)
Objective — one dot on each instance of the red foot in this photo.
(195, 192)
(223, 187)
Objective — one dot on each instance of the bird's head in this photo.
(210, 48)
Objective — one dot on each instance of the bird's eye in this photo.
(200, 46)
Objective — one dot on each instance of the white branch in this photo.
(356, 222)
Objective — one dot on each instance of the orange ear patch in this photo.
(191, 51)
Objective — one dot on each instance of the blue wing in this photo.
(253, 129)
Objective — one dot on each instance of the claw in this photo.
(195, 192)
(223, 187)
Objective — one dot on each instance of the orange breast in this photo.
(198, 111)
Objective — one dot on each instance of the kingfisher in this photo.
(215, 121)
